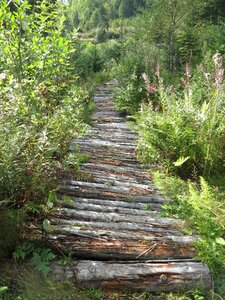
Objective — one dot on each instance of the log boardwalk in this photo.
(113, 225)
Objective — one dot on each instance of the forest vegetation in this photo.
(168, 60)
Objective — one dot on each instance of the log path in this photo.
(112, 223)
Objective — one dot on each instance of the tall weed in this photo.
(185, 131)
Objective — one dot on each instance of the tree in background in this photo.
(95, 13)
(127, 8)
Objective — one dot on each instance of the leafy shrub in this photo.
(10, 223)
(112, 35)
(41, 109)
(92, 57)
(202, 206)
(186, 133)
(40, 258)
(101, 34)
(131, 90)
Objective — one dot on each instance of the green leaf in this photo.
(67, 199)
(3, 289)
(220, 241)
(181, 160)
(46, 225)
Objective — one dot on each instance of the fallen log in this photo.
(135, 190)
(113, 235)
(107, 209)
(158, 231)
(152, 277)
(117, 217)
(111, 195)
(88, 246)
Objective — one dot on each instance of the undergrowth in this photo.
(42, 107)
(202, 206)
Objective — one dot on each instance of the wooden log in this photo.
(113, 152)
(111, 195)
(107, 119)
(112, 161)
(112, 125)
(117, 204)
(109, 235)
(88, 148)
(91, 247)
(115, 132)
(103, 176)
(114, 138)
(98, 113)
(146, 276)
(120, 226)
(123, 170)
(120, 189)
(116, 217)
(115, 185)
(101, 143)
(120, 181)
(107, 209)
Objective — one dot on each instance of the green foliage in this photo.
(74, 160)
(97, 13)
(186, 133)
(101, 34)
(188, 46)
(203, 207)
(39, 257)
(10, 223)
(40, 106)
(92, 58)
(130, 91)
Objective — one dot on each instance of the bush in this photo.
(202, 206)
(10, 223)
(92, 58)
(186, 133)
(131, 90)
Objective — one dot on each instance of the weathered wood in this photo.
(117, 204)
(91, 247)
(158, 231)
(152, 277)
(109, 235)
(113, 214)
(102, 143)
(117, 217)
(107, 209)
(115, 185)
(135, 190)
(106, 176)
(131, 170)
(107, 195)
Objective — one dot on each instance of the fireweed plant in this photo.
(184, 129)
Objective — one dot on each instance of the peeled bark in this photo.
(162, 276)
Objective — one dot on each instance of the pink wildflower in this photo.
(151, 89)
